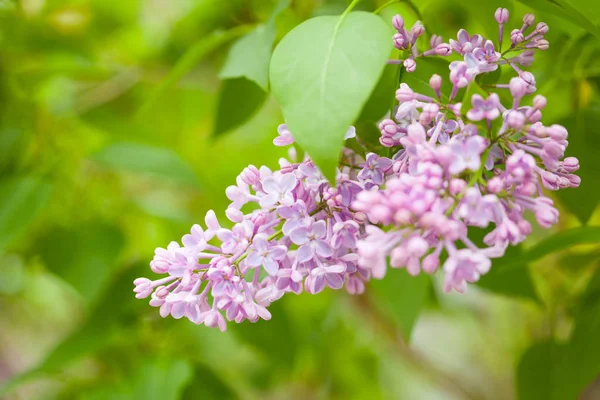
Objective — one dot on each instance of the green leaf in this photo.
(89, 259)
(141, 158)
(21, 200)
(322, 74)
(187, 62)
(163, 379)
(509, 275)
(401, 297)
(383, 95)
(536, 371)
(562, 241)
(239, 100)
(206, 384)
(583, 140)
(249, 56)
(562, 371)
(580, 364)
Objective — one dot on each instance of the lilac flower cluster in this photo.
(452, 169)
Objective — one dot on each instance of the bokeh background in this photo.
(117, 134)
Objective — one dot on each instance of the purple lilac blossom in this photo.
(439, 172)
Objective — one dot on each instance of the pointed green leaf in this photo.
(402, 297)
(239, 100)
(322, 74)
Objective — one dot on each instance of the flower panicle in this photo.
(450, 171)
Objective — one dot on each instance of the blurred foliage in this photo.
(122, 122)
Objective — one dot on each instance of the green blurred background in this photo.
(116, 135)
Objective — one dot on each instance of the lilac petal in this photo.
(288, 182)
(323, 249)
(277, 252)
(334, 281)
(305, 253)
(260, 243)
(269, 200)
(317, 284)
(475, 115)
(463, 36)
(479, 54)
(270, 185)
(384, 163)
(477, 101)
(336, 269)
(319, 228)
(271, 266)
(299, 236)
(254, 259)
(178, 310)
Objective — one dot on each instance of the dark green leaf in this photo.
(510, 278)
(580, 364)
(401, 296)
(141, 158)
(88, 261)
(382, 97)
(21, 200)
(188, 61)
(249, 56)
(322, 74)
(207, 385)
(239, 100)
(536, 371)
(562, 241)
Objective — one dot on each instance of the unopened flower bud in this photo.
(570, 164)
(250, 175)
(388, 127)
(435, 41)
(435, 82)
(410, 65)
(457, 186)
(398, 22)
(543, 44)
(515, 119)
(574, 181)
(539, 102)
(501, 15)
(404, 93)
(398, 40)
(417, 30)
(541, 28)
(528, 19)
(516, 36)
(430, 263)
(557, 132)
(518, 87)
(443, 49)
(495, 185)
